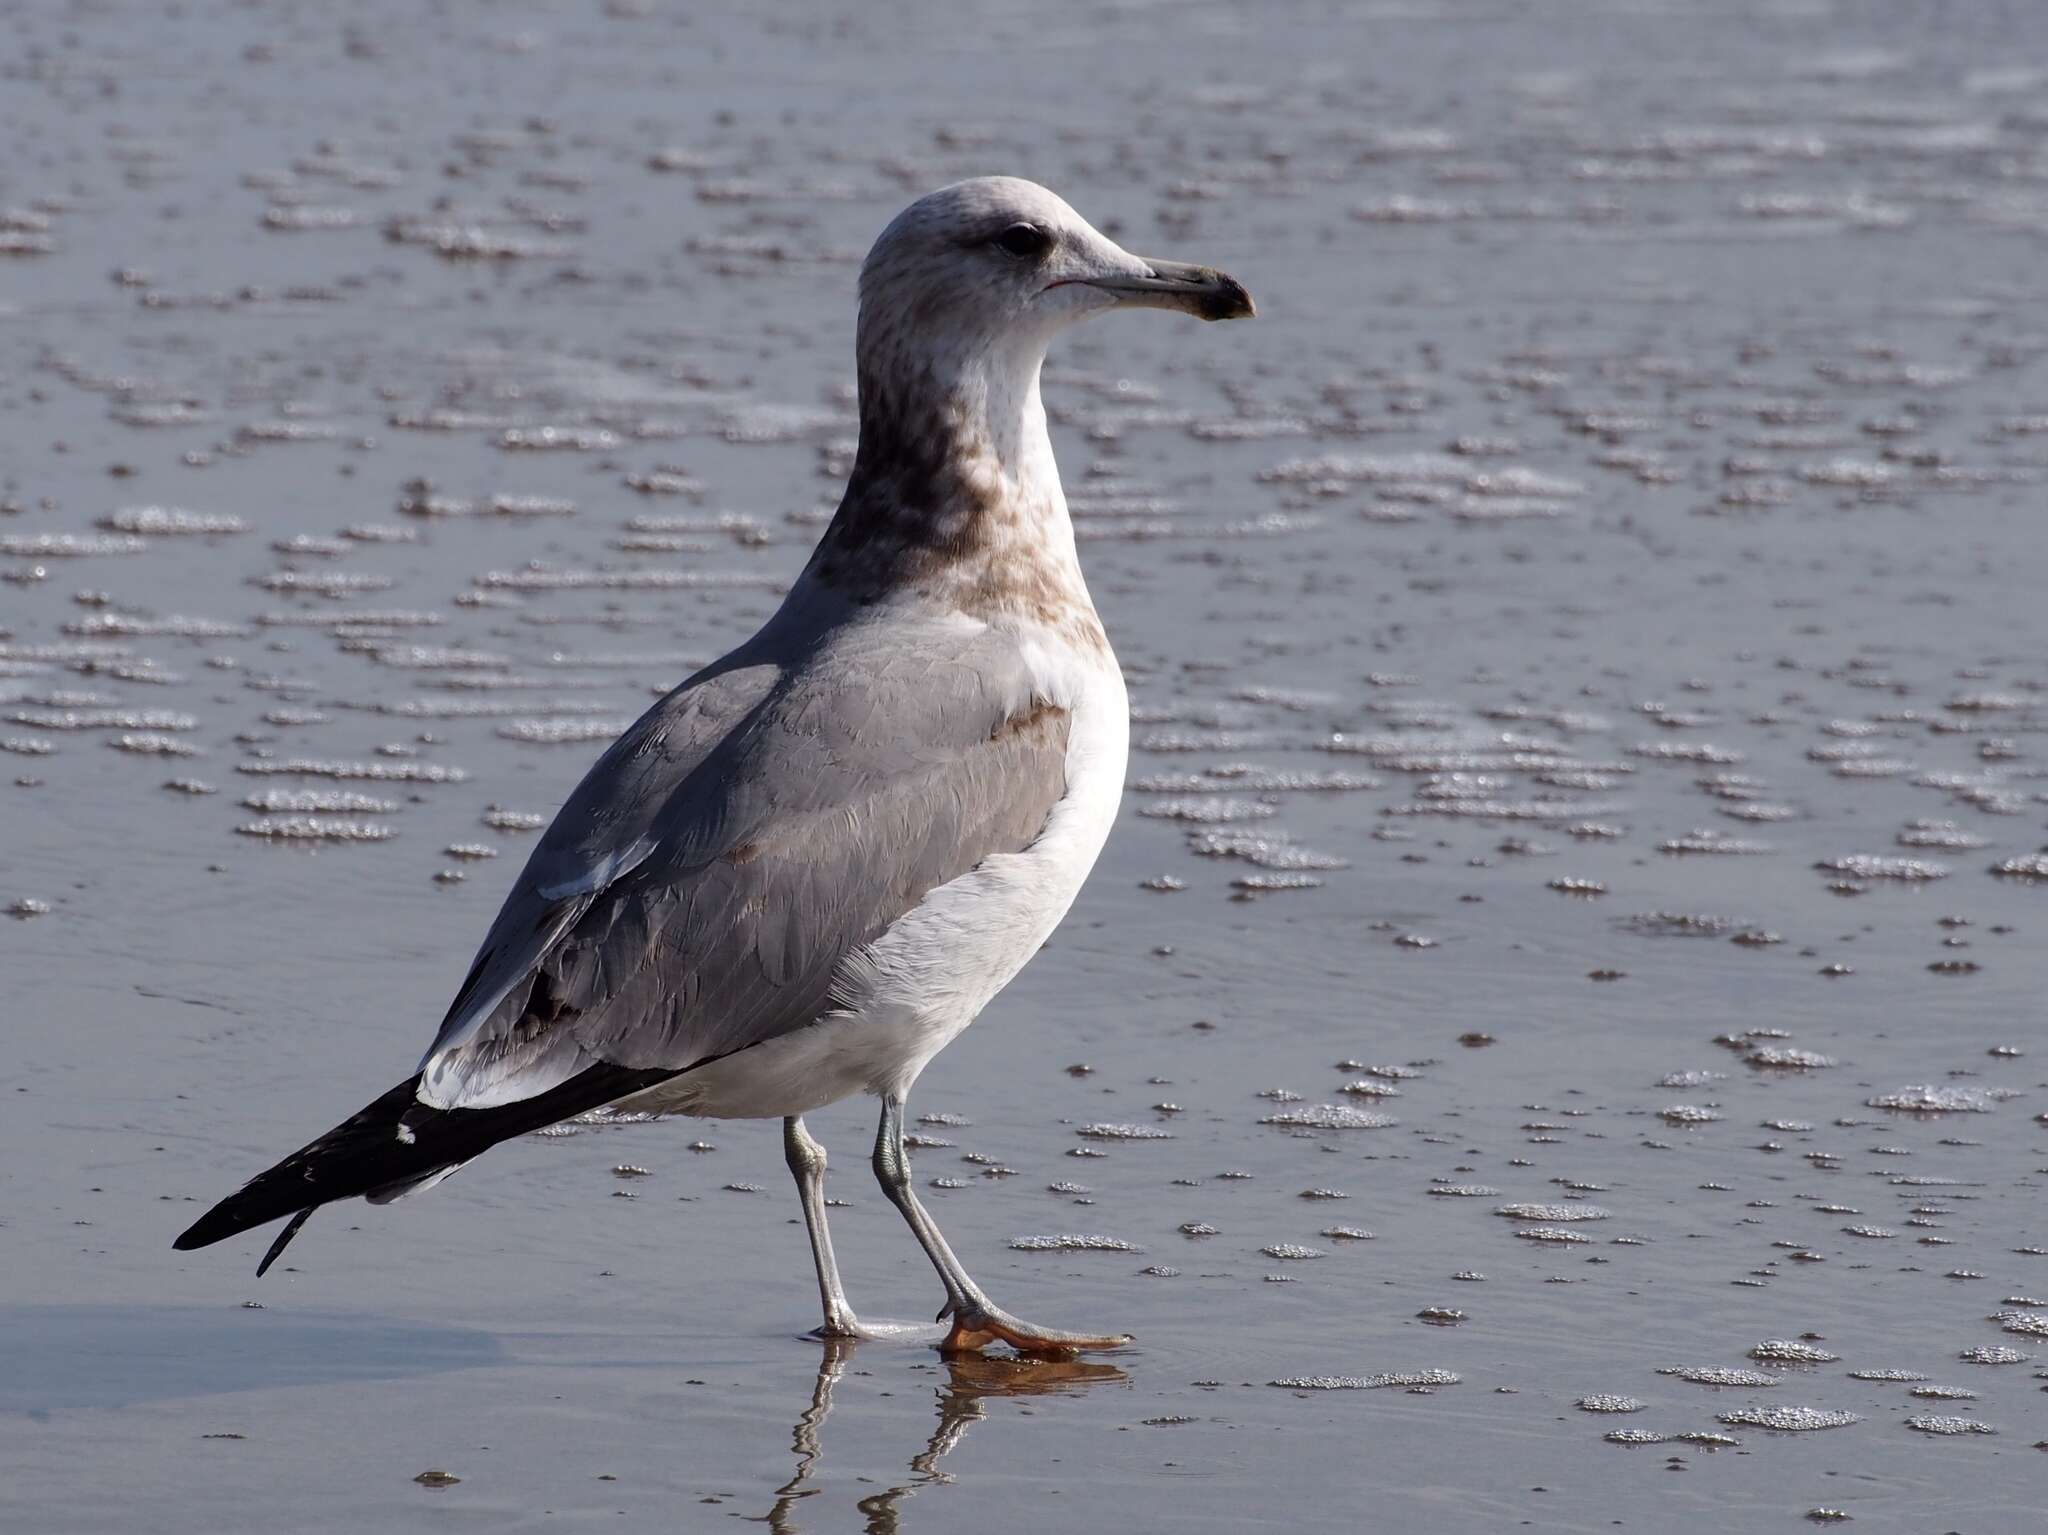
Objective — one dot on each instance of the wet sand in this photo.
(1574, 929)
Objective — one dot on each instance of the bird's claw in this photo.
(975, 1326)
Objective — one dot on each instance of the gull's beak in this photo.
(1200, 290)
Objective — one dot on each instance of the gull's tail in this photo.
(393, 1146)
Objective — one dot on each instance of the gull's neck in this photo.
(954, 493)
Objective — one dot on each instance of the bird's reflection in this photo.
(969, 1379)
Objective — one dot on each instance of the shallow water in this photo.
(1585, 655)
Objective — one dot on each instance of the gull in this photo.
(808, 868)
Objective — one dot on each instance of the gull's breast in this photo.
(926, 978)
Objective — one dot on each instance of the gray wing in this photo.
(701, 888)
(601, 833)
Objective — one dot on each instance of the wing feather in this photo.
(601, 834)
(786, 830)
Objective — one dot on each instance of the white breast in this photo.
(926, 978)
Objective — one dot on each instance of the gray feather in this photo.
(601, 833)
(780, 811)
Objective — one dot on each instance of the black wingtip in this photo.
(197, 1235)
(393, 1143)
(284, 1239)
(224, 1220)
(346, 1161)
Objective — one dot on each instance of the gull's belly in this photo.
(923, 981)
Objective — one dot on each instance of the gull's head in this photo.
(958, 301)
(998, 257)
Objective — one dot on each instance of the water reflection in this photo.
(970, 1379)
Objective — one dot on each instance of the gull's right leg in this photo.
(977, 1320)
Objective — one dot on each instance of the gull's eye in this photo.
(1025, 240)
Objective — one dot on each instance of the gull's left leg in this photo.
(977, 1320)
(807, 1165)
(806, 1159)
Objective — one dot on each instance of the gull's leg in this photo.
(807, 1165)
(977, 1320)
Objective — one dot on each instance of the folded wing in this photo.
(735, 876)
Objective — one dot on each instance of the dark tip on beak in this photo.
(1223, 297)
(1198, 290)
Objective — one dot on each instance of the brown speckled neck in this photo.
(949, 504)
(928, 484)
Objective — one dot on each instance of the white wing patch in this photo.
(602, 873)
(440, 1066)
